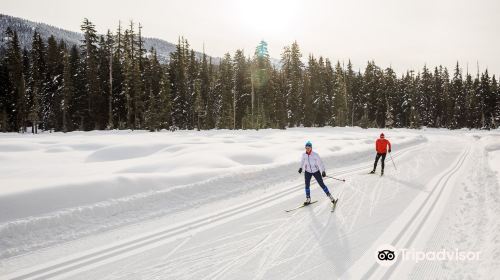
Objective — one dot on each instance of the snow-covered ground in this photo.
(210, 205)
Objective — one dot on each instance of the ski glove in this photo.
(300, 170)
(389, 150)
(323, 174)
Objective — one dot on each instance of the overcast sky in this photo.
(403, 34)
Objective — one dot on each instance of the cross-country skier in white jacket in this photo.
(313, 166)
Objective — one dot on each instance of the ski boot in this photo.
(332, 199)
(372, 172)
(308, 201)
(382, 173)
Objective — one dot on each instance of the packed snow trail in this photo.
(255, 239)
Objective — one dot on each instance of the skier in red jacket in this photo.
(381, 147)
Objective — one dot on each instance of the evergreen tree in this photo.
(193, 87)
(15, 101)
(260, 76)
(4, 89)
(293, 77)
(242, 89)
(414, 119)
(328, 87)
(204, 93)
(457, 92)
(472, 101)
(393, 102)
(493, 102)
(476, 105)
(91, 77)
(153, 85)
(439, 115)
(102, 102)
(340, 97)
(78, 108)
(310, 93)
(424, 97)
(225, 97)
(67, 93)
(487, 101)
(36, 80)
(52, 95)
(179, 81)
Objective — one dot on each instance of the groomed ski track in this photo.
(258, 240)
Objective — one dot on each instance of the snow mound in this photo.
(124, 152)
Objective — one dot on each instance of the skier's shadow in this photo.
(332, 240)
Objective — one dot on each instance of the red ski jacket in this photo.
(381, 145)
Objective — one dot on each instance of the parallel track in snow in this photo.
(101, 256)
(418, 220)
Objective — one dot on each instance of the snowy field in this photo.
(210, 205)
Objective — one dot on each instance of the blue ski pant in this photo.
(318, 178)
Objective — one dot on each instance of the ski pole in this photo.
(343, 180)
(393, 161)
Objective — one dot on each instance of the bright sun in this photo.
(268, 17)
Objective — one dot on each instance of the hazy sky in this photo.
(402, 33)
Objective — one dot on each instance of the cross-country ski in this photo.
(301, 206)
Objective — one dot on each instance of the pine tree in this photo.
(494, 103)
(91, 77)
(4, 89)
(393, 103)
(212, 98)
(204, 93)
(340, 97)
(439, 116)
(260, 75)
(486, 104)
(352, 88)
(314, 101)
(457, 92)
(102, 103)
(193, 83)
(67, 93)
(165, 101)
(424, 97)
(119, 100)
(15, 101)
(414, 119)
(153, 85)
(78, 108)
(224, 89)
(293, 78)
(472, 103)
(242, 88)
(36, 80)
(179, 81)
(476, 107)
(52, 95)
(308, 93)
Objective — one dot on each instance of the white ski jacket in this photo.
(312, 163)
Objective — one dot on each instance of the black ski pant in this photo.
(382, 161)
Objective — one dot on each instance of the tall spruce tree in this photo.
(242, 89)
(91, 76)
(15, 101)
(457, 92)
(67, 93)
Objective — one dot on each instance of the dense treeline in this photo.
(111, 82)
